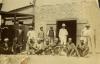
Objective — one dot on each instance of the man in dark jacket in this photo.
(51, 35)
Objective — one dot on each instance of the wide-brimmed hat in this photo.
(6, 39)
(63, 24)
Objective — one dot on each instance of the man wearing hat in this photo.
(32, 36)
(63, 34)
(82, 47)
(88, 35)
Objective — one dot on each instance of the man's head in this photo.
(51, 28)
(6, 40)
(20, 23)
(63, 25)
(47, 41)
(30, 27)
(16, 23)
(87, 26)
(15, 39)
(56, 40)
(69, 39)
(39, 42)
(41, 28)
(82, 39)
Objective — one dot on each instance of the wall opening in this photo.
(71, 26)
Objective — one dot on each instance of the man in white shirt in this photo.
(88, 35)
(31, 33)
(41, 35)
(63, 34)
(32, 38)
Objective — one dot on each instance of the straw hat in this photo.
(63, 24)
(6, 39)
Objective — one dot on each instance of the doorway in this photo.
(71, 26)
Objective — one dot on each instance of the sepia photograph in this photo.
(49, 32)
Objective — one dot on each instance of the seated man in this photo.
(5, 46)
(50, 49)
(31, 47)
(58, 48)
(39, 48)
(47, 47)
(72, 49)
(16, 47)
(83, 48)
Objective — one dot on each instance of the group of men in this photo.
(48, 44)
(39, 44)
(15, 38)
(37, 40)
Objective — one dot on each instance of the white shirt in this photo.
(41, 34)
(63, 32)
(32, 34)
(87, 32)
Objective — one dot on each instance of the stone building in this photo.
(53, 12)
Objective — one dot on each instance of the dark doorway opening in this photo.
(71, 26)
(99, 3)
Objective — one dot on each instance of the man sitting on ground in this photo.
(39, 48)
(72, 49)
(83, 48)
(6, 47)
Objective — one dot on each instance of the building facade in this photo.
(83, 11)
(49, 12)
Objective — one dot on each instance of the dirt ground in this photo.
(45, 59)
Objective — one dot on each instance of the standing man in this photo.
(41, 35)
(51, 35)
(31, 34)
(19, 37)
(88, 35)
(25, 30)
(32, 39)
(63, 35)
(20, 32)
